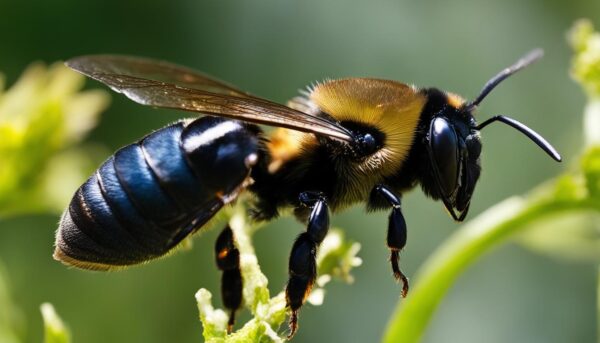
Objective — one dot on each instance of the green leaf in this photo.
(586, 61)
(42, 116)
(590, 164)
(55, 330)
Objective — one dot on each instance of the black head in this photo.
(453, 145)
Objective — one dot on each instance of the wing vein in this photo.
(167, 85)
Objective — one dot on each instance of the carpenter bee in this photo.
(340, 143)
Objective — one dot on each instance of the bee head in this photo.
(454, 146)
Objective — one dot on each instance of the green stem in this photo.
(488, 230)
(598, 305)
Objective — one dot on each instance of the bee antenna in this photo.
(534, 136)
(523, 62)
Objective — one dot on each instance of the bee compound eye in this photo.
(444, 151)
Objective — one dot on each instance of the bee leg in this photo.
(228, 260)
(396, 234)
(302, 263)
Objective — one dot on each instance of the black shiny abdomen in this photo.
(142, 201)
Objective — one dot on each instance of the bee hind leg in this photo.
(228, 260)
(396, 234)
(302, 263)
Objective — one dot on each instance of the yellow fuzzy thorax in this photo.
(392, 107)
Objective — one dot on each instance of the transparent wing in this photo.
(162, 84)
(156, 70)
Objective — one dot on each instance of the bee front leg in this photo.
(396, 234)
(302, 263)
(228, 260)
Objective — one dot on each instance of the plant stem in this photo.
(488, 230)
(598, 305)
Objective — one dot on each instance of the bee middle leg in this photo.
(396, 234)
(228, 260)
(302, 264)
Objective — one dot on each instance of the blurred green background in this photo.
(273, 48)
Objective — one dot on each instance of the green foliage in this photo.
(585, 69)
(11, 322)
(336, 257)
(41, 116)
(55, 330)
(561, 217)
(586, 62)
(574, 235)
